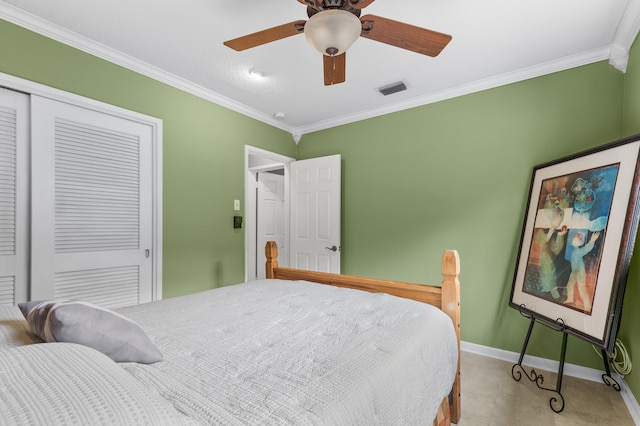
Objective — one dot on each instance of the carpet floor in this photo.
(490, 396)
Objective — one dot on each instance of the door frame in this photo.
(259, 160)
(33, 88)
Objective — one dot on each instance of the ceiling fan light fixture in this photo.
(256, 74)
(333, 31)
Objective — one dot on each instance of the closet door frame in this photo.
(33, 88)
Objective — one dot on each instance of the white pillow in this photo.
(114, 335)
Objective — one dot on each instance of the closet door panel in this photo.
(14, 186)
(92, 206)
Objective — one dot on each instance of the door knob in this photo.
(334, 248)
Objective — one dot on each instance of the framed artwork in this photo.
(577, 240)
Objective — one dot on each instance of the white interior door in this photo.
(270, 226)
(14, 190)
(315, 214)
(92, 208)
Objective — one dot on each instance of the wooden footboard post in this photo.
(271, 252)
(451, 306)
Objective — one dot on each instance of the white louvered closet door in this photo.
(91, 206)
(14, 186)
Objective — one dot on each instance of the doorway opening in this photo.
(266, 200)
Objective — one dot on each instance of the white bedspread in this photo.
(282, 352)
(68, 384)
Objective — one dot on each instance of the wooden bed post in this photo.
(451, 306)
(271, 252)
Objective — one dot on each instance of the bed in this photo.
(284, 350)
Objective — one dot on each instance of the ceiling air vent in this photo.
(392, 88)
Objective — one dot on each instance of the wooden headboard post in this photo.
(271, 252)
(451, 306)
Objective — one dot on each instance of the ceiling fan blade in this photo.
(334, 69)
(361, 4)
(266, 36)
(405, 36)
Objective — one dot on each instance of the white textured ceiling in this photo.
(494, 42)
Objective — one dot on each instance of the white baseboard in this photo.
(551, 365)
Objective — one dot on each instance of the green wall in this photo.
(630, 327)
(203, 150)
(453, 174)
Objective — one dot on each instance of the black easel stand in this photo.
(606, 377)
(556, 403)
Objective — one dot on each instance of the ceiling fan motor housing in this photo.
(334, 3)
(316, 6)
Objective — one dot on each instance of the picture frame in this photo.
(577, 240)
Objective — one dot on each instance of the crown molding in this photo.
(468, 88)
(38, 25)
(629, 25)
(625, 35)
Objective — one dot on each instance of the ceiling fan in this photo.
(334, 25)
